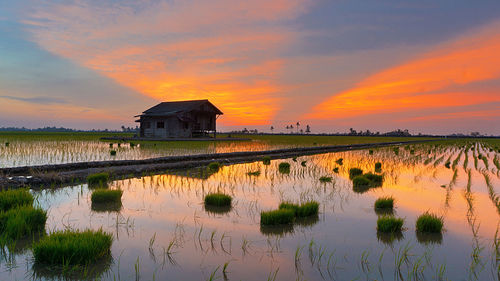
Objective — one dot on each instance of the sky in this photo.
(428, 66)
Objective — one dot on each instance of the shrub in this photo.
(353, 172)
(336, 170)
(378, 166)
(384, 203)
(340, 161)
(22, 221)
(325, 179)
(218, 199)
(113, 152)
(71, 247)
(428, 222)
(277, 217)
(284, 167)
(214, 166)
(360, 181)
(375, 180)
(389, 224)
(106, 196)
(255, 173)
(266, 160)
(14, 198)
(100, 180)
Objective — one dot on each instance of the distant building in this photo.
(179, 119)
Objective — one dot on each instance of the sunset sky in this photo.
(428, 66)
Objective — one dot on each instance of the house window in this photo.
(147, 125)
(160, 125)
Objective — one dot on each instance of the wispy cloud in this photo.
(37, 100)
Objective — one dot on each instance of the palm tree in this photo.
(272, 128)
(298, 124)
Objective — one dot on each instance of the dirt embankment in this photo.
(59, 174)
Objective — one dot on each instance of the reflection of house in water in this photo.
(201, 173)
(179, 119)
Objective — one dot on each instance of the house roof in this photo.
(176, 107)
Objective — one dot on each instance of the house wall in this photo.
(173, 128)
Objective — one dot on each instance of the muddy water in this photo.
(164, 232)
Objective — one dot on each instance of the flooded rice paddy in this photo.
(163, 231)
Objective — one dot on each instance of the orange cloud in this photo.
(413, 85)
(179, 50)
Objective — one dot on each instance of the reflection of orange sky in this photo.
(411, 85)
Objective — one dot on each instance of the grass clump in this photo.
(430, 223)
(325, 179)
(218, 200)
(106, 196)
(303, 163)
(71, 247)
(353, 172)
(336, 170)
(375, 180)
(277, 217)
(266, 160)
(15, 198)
(22, 221)
(378, 167)
(100, 180)
(447, 164)
(113, 152)
(389, 224)
(384, 203)
(360, 181)
(370, 152)
(214, 166)
(255, 173)
(340, 161)
(307, 209)
(284, 167)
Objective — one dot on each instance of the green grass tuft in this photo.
(98, 180)
(266, 160)
(378, 167)
(447, 164)
(113, 152)
(218, 199)
(214, 166)
(304, 210)
(361, 181)
(340, 161)
(428, 222)
(353, 172)
(15, 198)
(255, 173)
(389, 224)
(325, 179)
(284, 167)
(384, 203)
(22, 221)
(303, 163)
(336, 170)
(375, 180)
(73, 247)
(277, 217)
(106, 196)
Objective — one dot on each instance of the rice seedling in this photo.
(340, 161)
(21, 221)
(7, 144)
(375, 180)
(378, 167)
(14, 198)
(353, 172)
(70, 247)
(428, 222)
(277, 217)
(294, 159)
(284, 168)
(361, 181)
(214, 166)
(111, 145)
(396, 150)
(370, 151)
(384, 203)
(325, 179)
(303, 163)
(266, 160)
(387, 224)
(106, 196)
(254, 173)
(218, 200)
(113, 152)
(304, 210)
(98, 180)
(447, 164)
(336, 170)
